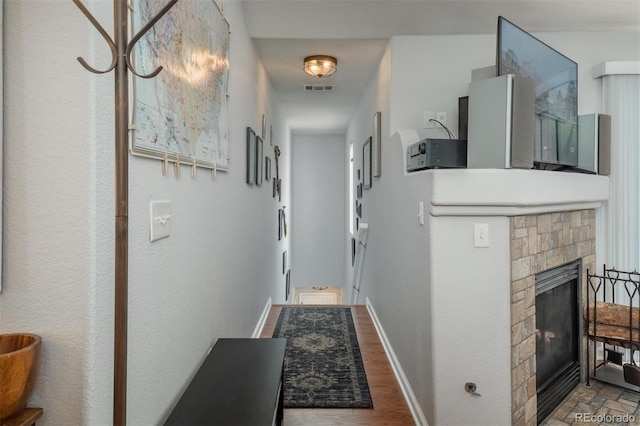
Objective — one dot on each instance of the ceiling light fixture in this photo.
(320, 65)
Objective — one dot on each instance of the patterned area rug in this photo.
(323, 366)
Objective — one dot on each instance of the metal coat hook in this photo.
(104, 34)
(130, 45)
(139, 35)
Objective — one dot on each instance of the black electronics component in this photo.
(437, 154)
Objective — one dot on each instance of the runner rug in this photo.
(323, 366)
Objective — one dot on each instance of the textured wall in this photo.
(48, 198)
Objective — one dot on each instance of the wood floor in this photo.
(389, 405)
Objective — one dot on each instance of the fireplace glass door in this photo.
(557, 339)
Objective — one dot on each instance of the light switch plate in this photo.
(159, 220)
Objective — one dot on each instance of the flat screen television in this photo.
(556, 93)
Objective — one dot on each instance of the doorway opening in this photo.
(318, 296)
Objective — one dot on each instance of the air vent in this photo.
(318, 88)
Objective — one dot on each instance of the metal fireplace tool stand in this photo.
(613, 322)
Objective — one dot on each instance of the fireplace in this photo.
(558, 351)
(547, 249)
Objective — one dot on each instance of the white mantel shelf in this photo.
(503, 192)
(512, 192)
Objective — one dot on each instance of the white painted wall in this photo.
(50, 147)
(426, 324)
(317, 221)
(470, 321)
(375, 98)
(396, 276)
(211, 278)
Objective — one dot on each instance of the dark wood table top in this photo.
(237, 384)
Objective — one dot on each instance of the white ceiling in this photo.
(357, 32)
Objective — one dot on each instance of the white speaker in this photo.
(501, 123)
(594, 143)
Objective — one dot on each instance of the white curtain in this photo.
(618, 221)
(618, 227)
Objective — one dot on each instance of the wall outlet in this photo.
(441, 117)
(427, 116)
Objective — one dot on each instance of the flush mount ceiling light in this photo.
(320, 65)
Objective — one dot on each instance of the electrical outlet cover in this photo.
(427, 123)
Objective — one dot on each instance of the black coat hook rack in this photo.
(121, 50)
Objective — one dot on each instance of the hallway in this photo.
(390, 407)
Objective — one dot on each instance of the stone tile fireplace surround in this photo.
(540, 242)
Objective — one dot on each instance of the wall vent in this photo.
(318, 88)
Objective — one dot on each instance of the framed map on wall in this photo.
(182, 112)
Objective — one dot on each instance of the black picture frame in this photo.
(284, 262)
(267, 168)
(284, 221)
(251, 156)
(279, 224)
(366, 164)
(259, 160)
(353, 251)
(287, 284)
(279, 189)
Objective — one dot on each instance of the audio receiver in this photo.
(437, 154)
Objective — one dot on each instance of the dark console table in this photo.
(239, 383)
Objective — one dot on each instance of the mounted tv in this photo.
(556, 93)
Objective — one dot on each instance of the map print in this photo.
(183, 110)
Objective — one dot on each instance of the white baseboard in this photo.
(409, 396)
(263, 319)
